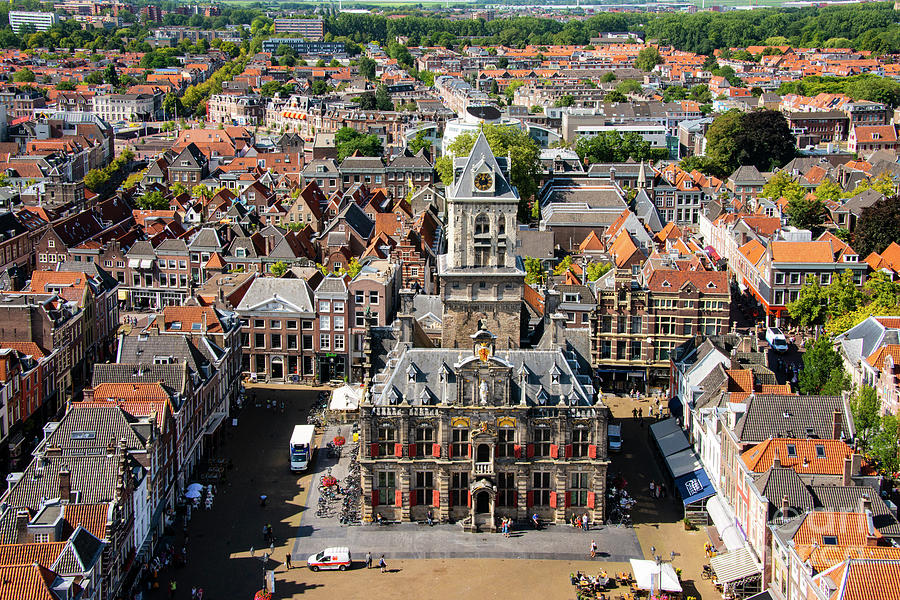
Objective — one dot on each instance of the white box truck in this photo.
(302, 446)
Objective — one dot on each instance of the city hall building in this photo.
(482, 428)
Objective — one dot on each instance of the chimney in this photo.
(785, 507)
(551, 302)
(65, 484)
(612, 175)
(111, 446)
(557, 329)
(865, 504)
(856, 464)
(836, 425)
(847, 479)
(203, 320)
(776, 462)
(405, 316)
(22, 519)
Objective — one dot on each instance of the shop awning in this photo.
(672, 443)
(694, 486)
(134, 263)
(213, 422)
(725, 524)
(146, 263)
(734, 566)
(648, 575)
(664, 428)
(682, 463)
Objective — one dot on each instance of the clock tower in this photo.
(482, 279)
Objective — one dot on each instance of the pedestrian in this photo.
(368, 560)
(430, 518)
(634, 413)
(584, 522)
(382, 564)
(262, 500)
(172, 586)
(287, 560)
(252, 551)
(506, 524)
(194, 592)
(653, 489)
(662, 490)
(200, 594)
(593, 549)
(641, 415)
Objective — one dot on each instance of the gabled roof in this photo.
(805, 456)
(481, 155)
(770, 415)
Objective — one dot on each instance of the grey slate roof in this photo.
(177, 348)
(294, 292)
(206, 239)
(142, 248)
(172, 246)
(81, 552)
(747, 175)
(430, 365)
(776, 415)
(865, 199)
(173, 377)
(332, 284)
(860, 341)
(89, 429)
(780, 482)
(481, 154)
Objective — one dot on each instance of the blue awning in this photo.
(694, 487)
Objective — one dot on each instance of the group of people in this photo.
(710, 550)
(657, 490)
(597, 583)
(505, 525)
(381, 563)
(582, 522)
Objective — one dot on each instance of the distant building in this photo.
(40, 21)
(301, 46)
(311, 29)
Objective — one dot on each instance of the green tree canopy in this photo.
(348, 140)
(865, 408)
(279, 268)
(534, 271)
(760, 138)
(152, 201)
(820, 362)
(23, 76)
(611, 146)
(810, 306)
(648, 58)
(878, 226)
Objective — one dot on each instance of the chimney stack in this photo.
(847, 479)
(22, 519)
(65, 484)
(836, 425)
(865, 504)
(785, 508)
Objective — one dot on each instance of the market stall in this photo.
(658, 578)
(737, 573)
(344, 404)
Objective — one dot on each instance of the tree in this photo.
(524, 171)
(534, 271)
(352, 269)
(110, 75)
(66, 85)
(629, 86)
(596, 270)
(818, 363)
(152, 201)
(172, 105)
(878, 226)
(843, 295)
(318, 88)
(383, 99)
(615, 96)
(420, 141)
(805, 211)
(865, 408)
(367, 68)
(279, 268)
(774, 188)
(565, 101)
(611, 146)
(563, 267)
(347, 141)
(178, 188)
(201, 191)
(884, 445)
(828, 191)
(96, 179)
(811, 304)
(760, 138)
(608, 77)
(366, 101)
(648, 58)
(23, 76)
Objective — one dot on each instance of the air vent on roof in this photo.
(786, 415)
(811, 433)
(84, 435)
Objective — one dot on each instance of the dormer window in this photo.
(829, 540)
(555, 372)
(820, 451)
(792, 450)
(569, 297)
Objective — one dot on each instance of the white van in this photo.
(776, 339)
(330, 558)
(614, 435)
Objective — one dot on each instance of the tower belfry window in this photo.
(482, 225)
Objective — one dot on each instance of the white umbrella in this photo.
(195, 486)
(192, 494)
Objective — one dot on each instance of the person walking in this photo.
(634, 413)
(584, 522)
(252, 551)
(368, 560)
(172, 588)
(593, 549)
(287, 560)
(382, 564)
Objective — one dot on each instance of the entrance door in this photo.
(277, 368)
(483, 503)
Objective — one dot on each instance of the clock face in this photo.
(483, 181)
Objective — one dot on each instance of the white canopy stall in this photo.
(344, 403)
(648, 575)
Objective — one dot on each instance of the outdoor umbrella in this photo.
(195, 486)
(192, 494)
(339, 440)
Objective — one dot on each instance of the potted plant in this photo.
(688, 526)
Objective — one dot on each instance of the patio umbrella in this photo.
(339, 440)
(192, 494)
(262, 595)
(195, 486)
(328, 480)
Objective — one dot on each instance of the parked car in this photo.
(776, 339)
(614, 435)
(330, 558)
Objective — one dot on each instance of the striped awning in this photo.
(735, 566)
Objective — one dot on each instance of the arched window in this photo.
(501, 226)
(482, 225)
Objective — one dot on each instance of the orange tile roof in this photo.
(188, 316)
(804, 460)
(865, 579)
(740, 380)
(802, 252)
(26, 348)
(26, 581)
(130, 391)
(824, 557)
(92, 517)
(876, 359)
(25, 554)
(889, 322)
(591, 243)
(850, 528)
(753, 250)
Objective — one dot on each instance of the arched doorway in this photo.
(482, 502)
(277, 370)
(483, 454)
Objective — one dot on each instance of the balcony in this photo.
(484, 468)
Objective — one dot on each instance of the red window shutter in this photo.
(592, 451)
(590, 500)
(552, 499)
(375, 497)
(515, 498)
(469, 450)
(554, 451)
(517, 451)
(412, 450)
(373, 450)
(436, 498)
(568, 450)
(450, 451)
(398, 498)
(468, 498)
(436, 450)
(398, 450)
(568, 499)
(529, 450)
(529, 499)
(413, 498)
